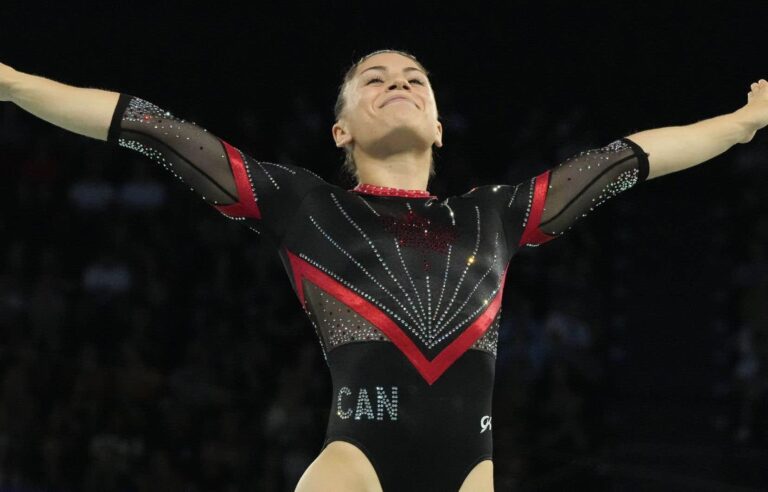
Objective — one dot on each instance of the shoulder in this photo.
(493, 193)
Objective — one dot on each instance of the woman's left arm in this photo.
(675, 148)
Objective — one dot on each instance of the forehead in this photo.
(392, 61)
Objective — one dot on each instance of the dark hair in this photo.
(338, 108)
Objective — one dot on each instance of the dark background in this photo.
(148, 344)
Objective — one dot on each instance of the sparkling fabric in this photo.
(576, 190)
(490, 340)
(412, 230)
(570, 191)
(389, 191)
(432, 266)
(205, 164)
(402, 287)
(187, 151)
(338, 323)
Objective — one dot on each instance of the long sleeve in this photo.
(546, 206)
(263, 194)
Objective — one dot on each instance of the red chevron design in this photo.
(246, 205)
(532, 234)
(430, 370)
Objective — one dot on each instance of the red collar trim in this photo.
(387, 191)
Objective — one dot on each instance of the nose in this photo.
(401, 83)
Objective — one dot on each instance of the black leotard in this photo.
(403, 288)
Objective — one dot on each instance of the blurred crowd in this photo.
(147, 343)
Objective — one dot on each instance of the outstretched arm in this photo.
(198, 158)
(675, 148)
(262, 194)
(79, 110)
(544, 207)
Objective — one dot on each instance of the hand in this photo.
(6, 75)
(756, 110)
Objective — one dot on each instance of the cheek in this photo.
(432, 104)
(357, 114)
(353, 98)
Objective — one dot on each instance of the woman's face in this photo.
(390, 108)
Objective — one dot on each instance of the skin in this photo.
(392, 147)
(391, 143)
(675, 148)
(341, 467)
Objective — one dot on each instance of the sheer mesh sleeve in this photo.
(546, 206)
(263, 194)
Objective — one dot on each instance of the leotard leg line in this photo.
(434, 439)
(403, 288)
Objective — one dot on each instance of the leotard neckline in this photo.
(370, 189)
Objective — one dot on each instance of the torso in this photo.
(405, 296)
(404, 290)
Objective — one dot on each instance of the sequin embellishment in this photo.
(388, 191)
(413, 230)
(490, 339)
(363, 406)
(337, 323)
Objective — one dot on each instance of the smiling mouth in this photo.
(398, 99)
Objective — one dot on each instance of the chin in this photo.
(401, 138)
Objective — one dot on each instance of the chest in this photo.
(426, 274)
(400, 239)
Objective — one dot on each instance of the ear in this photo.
(439, 135)
(340, 134)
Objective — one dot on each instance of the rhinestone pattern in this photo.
(387, 191)
(150, 121)
(580, 184)
(490, 339)
(212, 168)
(337, 323)
(383, 403)
(430, 327)
(359, 404)
(416, 231)
(432, 267)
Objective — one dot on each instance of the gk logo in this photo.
(485, 423)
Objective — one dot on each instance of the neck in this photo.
(406, 170)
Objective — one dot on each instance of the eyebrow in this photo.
(379, 67)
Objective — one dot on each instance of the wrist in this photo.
(14, 81)
(746, 120)
(7, 79)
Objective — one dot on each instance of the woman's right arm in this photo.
(79, 110)
(237, 185)
(191, 153)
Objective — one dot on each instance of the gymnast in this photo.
(402, 287)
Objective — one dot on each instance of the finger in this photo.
(754, 85)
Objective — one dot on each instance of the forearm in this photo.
(676, 148)
(80, 110)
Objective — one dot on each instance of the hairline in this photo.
(350, 76)
(385, 69)
(347, 84)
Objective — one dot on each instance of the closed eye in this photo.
(376, 79)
